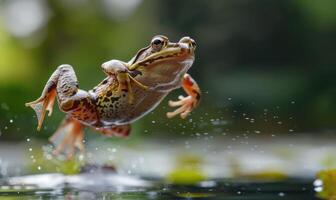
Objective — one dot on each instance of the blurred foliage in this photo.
(265, 67)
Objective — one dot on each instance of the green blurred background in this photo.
(265, 67)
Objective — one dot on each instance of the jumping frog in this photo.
(130, 91)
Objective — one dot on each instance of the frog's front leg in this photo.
(187, 104)
(124, 76)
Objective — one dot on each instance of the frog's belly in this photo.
(122, 112)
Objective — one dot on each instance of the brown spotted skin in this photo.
(75, 102)
(84, 110)
(104, 106)
(113, 107)
(108, 106)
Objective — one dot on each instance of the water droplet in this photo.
(208, 184)
(318, 183)
(28, 139)
(81, 157)
(257, 132)
(39, 167)
(48, 157)
(229, 98)
(292, 102)
(30, 149)
(152, 194)
(187, 145)
(281, 194)
(11, 121)
(153, 122)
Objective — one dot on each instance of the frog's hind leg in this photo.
(119, 131)
(68, 137)
(63, 83)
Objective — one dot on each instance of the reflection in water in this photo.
(183, 173)
(110, 186)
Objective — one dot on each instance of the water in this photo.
(146, 170)
(113, 186)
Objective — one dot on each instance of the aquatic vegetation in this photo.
(265, 175)
(325, 184)
(188, 171)
(190, 195)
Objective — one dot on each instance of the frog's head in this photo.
(164, 61)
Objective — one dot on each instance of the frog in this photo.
(129, 91)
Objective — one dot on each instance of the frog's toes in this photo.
(186, 106)
(42, 105)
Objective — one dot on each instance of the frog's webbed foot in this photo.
(187, 104)
(43, 104)
(68, 137)
(124, 76)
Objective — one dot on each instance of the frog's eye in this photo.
(193, 44)
(157, 44)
